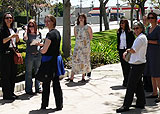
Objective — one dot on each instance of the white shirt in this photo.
(140, 48)
(13, 39)
(123, 44)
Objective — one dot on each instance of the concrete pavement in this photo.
(101, 94)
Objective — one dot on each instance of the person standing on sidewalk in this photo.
(153, 54)
(137, 62)
(50, 51)
(81, 55)
(9, 37)
(125, 39)
(33, 56)
(146, 77)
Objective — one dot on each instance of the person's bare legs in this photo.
(72, 75)
(158, 84)
(83, 76)
(154, 84)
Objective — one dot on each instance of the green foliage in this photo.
(104, 48)
(58, 9)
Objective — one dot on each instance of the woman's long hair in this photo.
(127, 29)
(34, 24)
(4, 25)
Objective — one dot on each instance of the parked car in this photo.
(158, 20)
(41, 25)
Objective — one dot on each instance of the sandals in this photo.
(68, 79)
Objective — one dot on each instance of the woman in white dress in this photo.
(81, 54)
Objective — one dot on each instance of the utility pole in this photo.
(80, 6)
(159, 4)
(56, 8)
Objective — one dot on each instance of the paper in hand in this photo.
(35, 41)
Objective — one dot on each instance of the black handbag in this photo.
(45, 72)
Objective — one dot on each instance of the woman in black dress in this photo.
(153, 54)
(125, 39)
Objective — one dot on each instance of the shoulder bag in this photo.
(17, 56)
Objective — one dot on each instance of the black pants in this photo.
(135, 85)
(56, 90)
(9, 70)
(125, 67)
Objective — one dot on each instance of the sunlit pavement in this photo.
(101, 94)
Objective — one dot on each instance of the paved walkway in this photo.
(101, 94)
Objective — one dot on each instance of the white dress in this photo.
(81, 55)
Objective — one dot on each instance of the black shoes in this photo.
(152, 96)
(9, 98)
(141, 107)
(83, 80)
(15, 96)
(43, 107)
(157, 100)
(122, 109)
(59, 108)
(124, 84)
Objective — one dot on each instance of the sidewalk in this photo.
(101, 94)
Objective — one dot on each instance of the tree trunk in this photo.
(132, 6)
(106, 24)
(66, 45)
(100, 19)
(103, 14)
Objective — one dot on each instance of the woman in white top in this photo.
(9, 38)
(137, 62)
(125, 39)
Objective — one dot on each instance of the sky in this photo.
(87, 3)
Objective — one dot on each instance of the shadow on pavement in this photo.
(40, 111)
(3, 102)
(25, 97)
(20, 97)
(118, 87)
(79, 83)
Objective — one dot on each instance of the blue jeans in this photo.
(31, 61)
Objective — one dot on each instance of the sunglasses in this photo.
(136, 28)
(30, 25)
(151, 18)
(8, 18)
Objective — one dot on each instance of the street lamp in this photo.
(117, 11)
